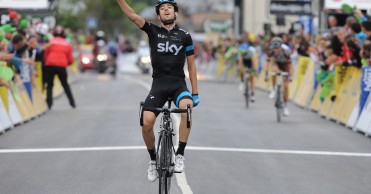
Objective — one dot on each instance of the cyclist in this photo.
(170, 47)
(281, 62)
(248, 54)
(232, 56)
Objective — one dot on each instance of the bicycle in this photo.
(165, 152)
(247, 91)
(280, 90)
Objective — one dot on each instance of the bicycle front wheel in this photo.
(165, 158)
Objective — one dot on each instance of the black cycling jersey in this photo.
(168, 49)
(282, 60)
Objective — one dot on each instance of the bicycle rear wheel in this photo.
(247, 93)
(279, 107)
(165, 157)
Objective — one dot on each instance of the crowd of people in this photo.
(338, 47)
(23, 44)
(27, 41)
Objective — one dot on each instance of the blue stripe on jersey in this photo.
(183, 94)
(189, 48)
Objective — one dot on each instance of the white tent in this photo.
(362, 4)
(24, 4)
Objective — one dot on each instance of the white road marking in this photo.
(194, 148)
(182, 183)
(78, 149)
(271, 151)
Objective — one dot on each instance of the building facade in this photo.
(256, 13)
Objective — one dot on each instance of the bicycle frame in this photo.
(280, 90)
(165, 147)
(248, 88)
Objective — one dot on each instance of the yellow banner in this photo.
(302, 67)
(39, 76)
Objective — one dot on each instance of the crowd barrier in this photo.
(16, 105)
(349, 102)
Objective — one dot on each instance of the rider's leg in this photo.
(183, 136)
(275, 69)
(286, 86)
(252, 84)
(149, 119)
(286, 111)
(183, 130)
(273, 92)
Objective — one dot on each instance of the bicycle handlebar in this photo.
(166, 110)
(279, 73)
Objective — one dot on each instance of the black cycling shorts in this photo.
(247, 63)
(283, 67)
(166, 87)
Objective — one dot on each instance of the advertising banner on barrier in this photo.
(14, 113)
(302, 66)
(26, 79)
(4, 117)
(364, 122)
(365, 87)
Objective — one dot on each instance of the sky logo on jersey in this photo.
(161, 36)
(166, 47)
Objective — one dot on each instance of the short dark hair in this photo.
(367, 46)
(356, 27)
(17, 38)
(367, 25)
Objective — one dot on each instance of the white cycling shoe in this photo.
(240, 87)
(252, 98)
(272, 94)
(152, 172)
(179, 163)
(286, 112)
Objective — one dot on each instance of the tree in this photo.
(74, 13)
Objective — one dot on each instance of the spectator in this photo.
(8, 30)
(355, 59)
(366, 53)
(14, 17)
(366, 28)
(333, 24)
(357, 30)
(303, 49)
(57, 57)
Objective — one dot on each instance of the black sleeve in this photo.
(188, 43)
(147, 28)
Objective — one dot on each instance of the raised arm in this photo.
(130, 13)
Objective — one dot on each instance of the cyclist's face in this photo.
(167, 14)
(167, 11)
(276, 50)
